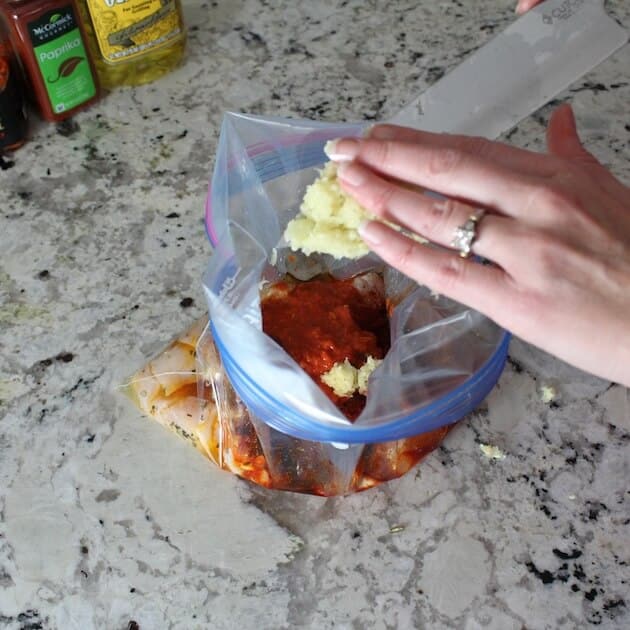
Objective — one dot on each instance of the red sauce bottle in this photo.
(13, 118)
(50, 42)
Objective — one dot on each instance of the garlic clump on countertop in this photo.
(492, 452)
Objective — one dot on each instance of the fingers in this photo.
(563, 139)
(525, 5)
(435, 219)
(564, 142)
(448, 170)
(482, 287)
(521, 160)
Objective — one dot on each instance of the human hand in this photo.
(557, 228)
(523, 6)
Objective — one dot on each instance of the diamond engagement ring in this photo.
(465, 234)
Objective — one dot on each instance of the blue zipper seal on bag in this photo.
(441, 412)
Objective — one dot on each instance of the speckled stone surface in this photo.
(106, 518)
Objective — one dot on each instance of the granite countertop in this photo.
(108, 521)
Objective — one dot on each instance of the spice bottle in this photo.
(13, 118)
(50, 42)
(134, 41)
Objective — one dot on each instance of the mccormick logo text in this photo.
(56, 25)
(567, 9)
(51, 26)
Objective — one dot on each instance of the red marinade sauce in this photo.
(324, 321)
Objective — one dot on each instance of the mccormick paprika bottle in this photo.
(133, 41)
(13, 120)
(50, 42)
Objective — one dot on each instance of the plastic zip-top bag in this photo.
(444, 358)
(277, 426)
(203, 409)
(257, 412)
(437, 345)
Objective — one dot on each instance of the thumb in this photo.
(563, 142)
(562, 137)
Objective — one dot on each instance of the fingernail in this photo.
(342, 149)
(369, 232)
(351, 173)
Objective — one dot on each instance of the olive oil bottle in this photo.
(134, 41)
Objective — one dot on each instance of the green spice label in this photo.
(62, 59)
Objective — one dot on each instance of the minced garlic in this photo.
(345, 380)
(492, 452)
(364, 373)
(328, 221)
(548, 394)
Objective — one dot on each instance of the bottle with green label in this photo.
(50, 42)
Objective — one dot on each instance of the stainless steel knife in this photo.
(518, 71)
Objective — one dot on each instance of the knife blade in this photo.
(518, 71)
